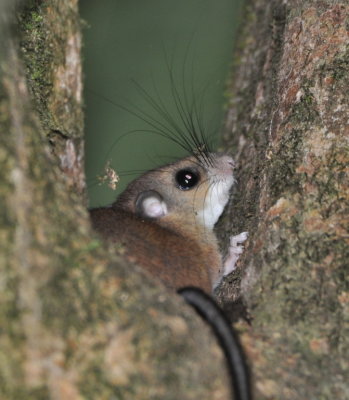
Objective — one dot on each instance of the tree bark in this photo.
(288, 125)
(76, 321)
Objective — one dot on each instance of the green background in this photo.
(133, 42)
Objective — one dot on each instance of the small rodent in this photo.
(164, 220)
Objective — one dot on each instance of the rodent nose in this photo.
(232, 163)
(225, 165)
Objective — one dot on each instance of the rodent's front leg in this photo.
(235, 249)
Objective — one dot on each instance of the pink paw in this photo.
(235, 249)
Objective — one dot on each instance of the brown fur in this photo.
(177, 248)
(176, 260)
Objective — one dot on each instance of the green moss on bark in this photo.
(77, 322)
(293, 199)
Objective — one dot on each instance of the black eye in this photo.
(186, 179)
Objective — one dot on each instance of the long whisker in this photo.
(175, 130)
(188, 133)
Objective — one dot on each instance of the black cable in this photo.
(228, 339)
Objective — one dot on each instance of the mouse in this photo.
(164, 221)
(169, 213)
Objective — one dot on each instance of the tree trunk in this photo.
(78, 322)
(288, 125)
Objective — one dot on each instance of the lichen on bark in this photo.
(77, 321)
(51, 48)
(291, 138)
(79, 324)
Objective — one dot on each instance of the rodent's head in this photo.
(195, 188)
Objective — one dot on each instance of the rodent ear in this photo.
(150, 204)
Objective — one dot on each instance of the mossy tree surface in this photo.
(288, 125)
(76, 321)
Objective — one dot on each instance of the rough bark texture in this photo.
(76, 321)
(288, 125)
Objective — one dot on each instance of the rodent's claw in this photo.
(235, 249)
(240, 238)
